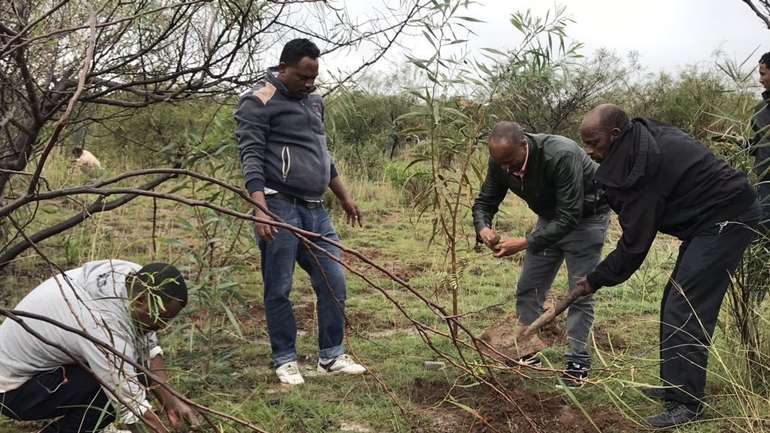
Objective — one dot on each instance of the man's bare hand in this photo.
(353, 213)
(490, 238)
(584, 286)
(511, 246)
(181, 415)
(265, 231)
(149, 420)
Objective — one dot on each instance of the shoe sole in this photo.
(291, 383)
(565, 386)
(324, 371)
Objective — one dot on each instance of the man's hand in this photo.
(353, 213)
(181, 415)
(151, 422)
(584, 286)
(348, 204)
(264, 231)
(511, 246)
(490, 238)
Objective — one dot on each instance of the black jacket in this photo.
(558, 186)
(657, 178)
(760, 143)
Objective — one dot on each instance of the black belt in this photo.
(296, 200)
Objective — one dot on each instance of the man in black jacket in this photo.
(555, 178)
(760, 143)
(657, 178)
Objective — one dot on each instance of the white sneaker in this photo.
(288, 373)
(341, 364)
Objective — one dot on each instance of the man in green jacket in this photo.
(555, 177)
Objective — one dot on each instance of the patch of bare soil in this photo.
(485, 411)
(608, 338)
(304, 315)
(502, 335)
(404, 271)
(365, 321)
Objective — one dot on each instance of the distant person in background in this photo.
(760, 142)
(86, 161)
(659, 179)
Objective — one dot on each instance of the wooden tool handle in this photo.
(551, 314)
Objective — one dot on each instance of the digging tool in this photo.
(527, 342)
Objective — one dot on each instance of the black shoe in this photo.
(530, 360)
(575, 375)
(676, 414)
(658, 394)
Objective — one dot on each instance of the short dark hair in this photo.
(765, 59)
(161, 279)
(77, 151)
(296, 49)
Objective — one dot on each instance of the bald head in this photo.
(508, 145)
(600, 128)
(605, 116)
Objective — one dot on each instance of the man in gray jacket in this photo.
(555, 177)
(287, 168)
(80, 383)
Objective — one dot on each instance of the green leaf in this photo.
(470, 19)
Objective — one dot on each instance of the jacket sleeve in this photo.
(568, 180)
(253, 128)
(638, 218)
(332, 167)
(490, 196)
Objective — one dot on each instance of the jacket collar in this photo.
(271, 76)
(634, 156)
(534, 151)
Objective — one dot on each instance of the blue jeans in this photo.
(326, 276)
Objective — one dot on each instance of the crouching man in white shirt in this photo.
(119, 303)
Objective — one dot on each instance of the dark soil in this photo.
(503, 337)
(608, 338)
(536, 411)
(304, 315)
(401, 270)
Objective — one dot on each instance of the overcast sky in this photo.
(667, 34)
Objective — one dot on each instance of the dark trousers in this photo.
(763, 195)
(68, 393)
(279, 257)
(691, 302)
(582, 250)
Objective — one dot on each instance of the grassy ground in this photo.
(219, 351)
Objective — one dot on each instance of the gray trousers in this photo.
(582, 249)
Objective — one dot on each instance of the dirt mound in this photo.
(479, 409)
(502, 335)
